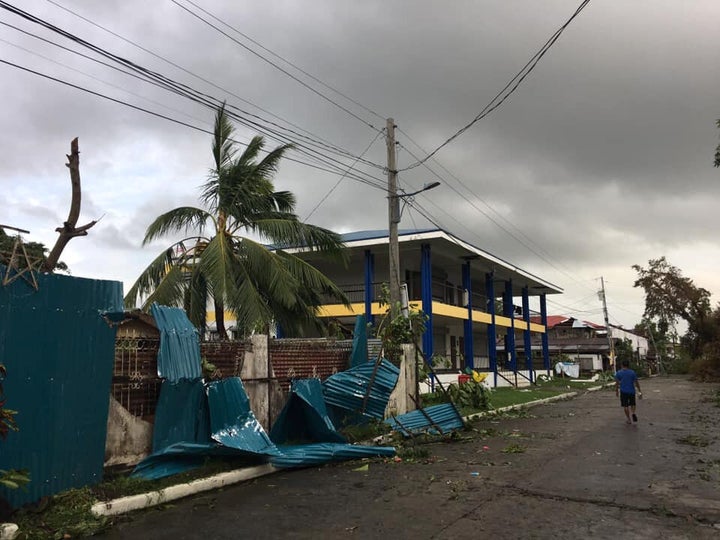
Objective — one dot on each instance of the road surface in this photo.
(566, 470)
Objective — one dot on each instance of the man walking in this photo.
(626, 382)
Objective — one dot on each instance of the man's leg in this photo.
(627, 414)
(634, 416)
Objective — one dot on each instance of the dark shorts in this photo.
(627, 400)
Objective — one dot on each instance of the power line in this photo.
(181, 68)
(276, 55)
(342, 177)
(508, 89)
(378, 183)
(168, 84)
(298, 80)
(473, 205)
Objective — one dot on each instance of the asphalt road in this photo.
(566, 470)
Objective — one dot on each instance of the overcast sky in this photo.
(601, 159)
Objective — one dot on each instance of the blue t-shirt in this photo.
(626, 377)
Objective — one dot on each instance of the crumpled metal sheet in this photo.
(359, 353)
(181, 415)
(364, 389)
(445, 416)
(183, 457)
(308, 455)
(305, 417)
(179, 354)
(232, 423)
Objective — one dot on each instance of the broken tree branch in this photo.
(69, 229)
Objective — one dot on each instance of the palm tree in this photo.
(259, 285)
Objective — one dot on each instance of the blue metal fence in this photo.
(58, 352)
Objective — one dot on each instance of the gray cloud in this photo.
(601, 159)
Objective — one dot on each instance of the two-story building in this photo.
(471, 297)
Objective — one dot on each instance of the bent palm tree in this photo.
(241, 275)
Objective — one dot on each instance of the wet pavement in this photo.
(571, 469)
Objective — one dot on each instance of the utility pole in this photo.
(394, 220)
(611, 347)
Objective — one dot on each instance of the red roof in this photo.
(552, 320)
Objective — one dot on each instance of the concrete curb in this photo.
(560, 397)
(171, 493)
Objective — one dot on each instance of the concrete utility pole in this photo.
(611, 346)
(394, 220)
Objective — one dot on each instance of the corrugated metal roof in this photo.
(307, 455)
(444, 416)
(232, 423)
(179, 354)
(364, 389)
(304, 417)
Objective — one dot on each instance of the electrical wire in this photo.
(249, 119)
(508, 89)
(377, 184)
(184, 70)
(276, 66)
(343, 176)
(283, 59)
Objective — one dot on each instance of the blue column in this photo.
(369, 288)
(491, 330)
(469, 351)
(545, 347)
(526, 335)
(426, 279)
(510, 333)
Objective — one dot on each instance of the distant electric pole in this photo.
(393, 218)
(611, 347)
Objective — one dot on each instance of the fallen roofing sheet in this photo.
(359, 353)
(444, 417)
(236, 433)
(232, 422)
(179, 354)
(307, 455)
(305, 417)
(364, 389)
(181, 414)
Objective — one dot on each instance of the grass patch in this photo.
(514, 449)
(65, 515)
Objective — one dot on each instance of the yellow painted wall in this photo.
(439, 308)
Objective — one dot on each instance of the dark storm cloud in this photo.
(600, 160)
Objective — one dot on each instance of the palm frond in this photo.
(149, 278)
(269, 165)
(289, 233)
(170, 291)
(183, 219)
(196, 300)
(223, 146)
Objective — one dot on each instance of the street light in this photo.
(395, 213)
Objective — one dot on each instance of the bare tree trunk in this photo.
(69, 230)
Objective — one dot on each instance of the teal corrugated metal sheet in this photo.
(179, 354)
(304, 417)
(181, 415)
(445, 416)
(232, 422)
(308, 455)
(59, 354)
(362, 389)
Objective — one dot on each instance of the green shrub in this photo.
(471, 394)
